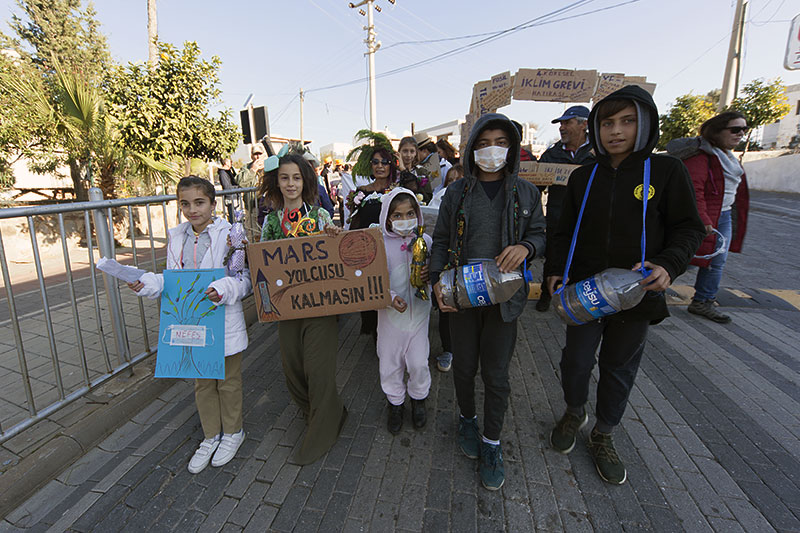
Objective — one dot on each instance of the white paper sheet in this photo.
(125, 273)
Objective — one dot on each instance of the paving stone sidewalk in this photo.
(711, 439)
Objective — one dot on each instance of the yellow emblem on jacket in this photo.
(637, 192)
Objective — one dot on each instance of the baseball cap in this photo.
(576, 111)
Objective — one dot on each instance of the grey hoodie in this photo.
(530, 226)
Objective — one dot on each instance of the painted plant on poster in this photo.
(191, 340)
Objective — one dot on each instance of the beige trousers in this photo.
(219, 401)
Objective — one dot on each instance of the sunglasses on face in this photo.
(738, 129)
(384, 162)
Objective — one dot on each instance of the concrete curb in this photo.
(70, 444)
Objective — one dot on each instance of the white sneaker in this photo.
(202, 456)
(227, 448)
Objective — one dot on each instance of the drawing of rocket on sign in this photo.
(268, 310)
(187, 308)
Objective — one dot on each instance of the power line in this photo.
(695, 60)
(537, 21)
(471, 36)
(283, 111)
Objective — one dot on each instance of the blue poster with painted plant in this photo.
(191, 333)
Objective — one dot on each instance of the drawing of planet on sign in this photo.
(357, 249)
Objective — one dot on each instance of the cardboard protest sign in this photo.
(191, 330)
(479, 92)
(319, 275)
(500, 88)
(429, 217)
(543, 174)
(607, 84)
(649, 87)
(554, 85)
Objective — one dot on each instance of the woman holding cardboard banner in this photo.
(377, 160)
(308, 345)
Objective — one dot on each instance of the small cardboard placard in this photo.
(543, 174)
(499, 94)
(608, 83)
(319, 275)
(554, 85)
(479, 92)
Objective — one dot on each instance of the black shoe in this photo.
(418, 414)
(544, 303)
(395, 422)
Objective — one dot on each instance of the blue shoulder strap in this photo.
(644, 271)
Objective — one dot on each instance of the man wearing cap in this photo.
(572, 149)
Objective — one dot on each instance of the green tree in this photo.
(47, 29)
(762, 103)
(75, 110)
(685, 117)
(60, 28)
(22, 134)
(163, 112)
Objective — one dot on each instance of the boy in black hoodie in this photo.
(491, 213)
(623, 129)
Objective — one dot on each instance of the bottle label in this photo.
(475, 285)
(591, 299)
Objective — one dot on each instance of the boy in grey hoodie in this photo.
(491, 213)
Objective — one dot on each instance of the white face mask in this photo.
(404, 227)
(491, 158)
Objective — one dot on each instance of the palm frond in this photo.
(375, 140)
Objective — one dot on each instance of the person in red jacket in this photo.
(720, 186)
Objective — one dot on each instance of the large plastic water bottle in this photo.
(480, 283)
(608, 292)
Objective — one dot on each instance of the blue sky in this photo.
(273, 48)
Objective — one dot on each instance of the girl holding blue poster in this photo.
(201, 243)
(308, 345)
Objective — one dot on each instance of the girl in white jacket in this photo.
(201, 242)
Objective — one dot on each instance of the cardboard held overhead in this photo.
(319, 275)
(501, 86)
(479, 92)
(543, 174)
(607, 84)
(555, 85)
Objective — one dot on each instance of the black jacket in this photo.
(555, 193)
(611, 229)
(531, 224)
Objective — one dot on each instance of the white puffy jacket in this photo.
(231, 290)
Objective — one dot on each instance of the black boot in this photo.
(395, 422)
(418, 414)
(544, 301)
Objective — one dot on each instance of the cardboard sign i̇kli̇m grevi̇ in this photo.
(544, 174)
(319, 275)
(554, 85)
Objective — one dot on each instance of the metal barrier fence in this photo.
(102, 218)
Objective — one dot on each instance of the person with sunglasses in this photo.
(720, 187)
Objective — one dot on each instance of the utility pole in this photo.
(152, 34)
(302, 99)
(733, 64)
(372, 46)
